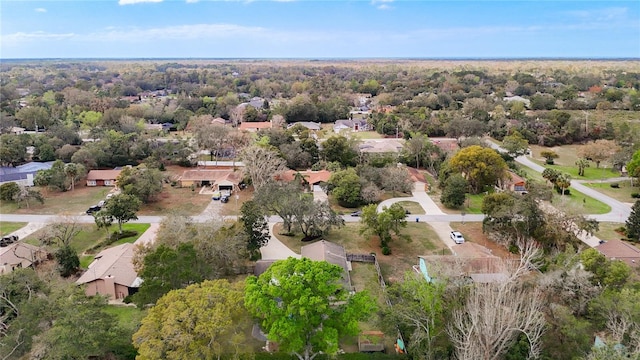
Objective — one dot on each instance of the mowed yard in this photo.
(416, 239)
(566, 162)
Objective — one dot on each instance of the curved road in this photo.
(619, 211)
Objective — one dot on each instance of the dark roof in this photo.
(262, 266)
(20, 172)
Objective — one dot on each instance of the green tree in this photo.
(345, 186)
(582, 164)
(454, 192)
(121, 208)
(633, 222)
(381, 223)
(563, 182)
(303, 306)
(419, 308)
(68, 260)
(340, 149)
(549, 156)
(551, 175)
(143, 182)
(13, 150)
(281, 199)
(398, 217)
(165, 269)
(608, 273)
(633, 166)
(482, 167)
(8, 191)
(54, 178)
(201, 321)
(255, 226)
(34, 117)
(74, 172)
(515, 144)
(316, 218)
(27, 196)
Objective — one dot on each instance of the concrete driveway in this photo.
(275, 249)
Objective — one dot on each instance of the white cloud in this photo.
(382, 4)
(192, 1)
(129, 2)
(605, 14)
(40, 10)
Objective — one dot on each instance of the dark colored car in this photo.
(93, 209)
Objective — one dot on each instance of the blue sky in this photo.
(318, 29)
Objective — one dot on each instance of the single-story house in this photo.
(620, 250)
(479, 269)
(17, 130)
(514, 183)
(218, 121)
(381, 146)
(255, 126)
(23, 174)
(332, 253)
(256, 102)
(353, 125)
(313, 178)
(112, 273)
(312, 126)
(102, 177)
(447, 145)
(19, 255)
(218, 179)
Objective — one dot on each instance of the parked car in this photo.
(93, 209)
(457, 237)
(224, 199)
(101, 203)
(356, 213)
(216, 195)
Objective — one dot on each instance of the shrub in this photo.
(386, 250)
(635, 195)
(615, 185)
(8, 191)
(549, 162)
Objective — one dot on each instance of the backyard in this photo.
(416, 239)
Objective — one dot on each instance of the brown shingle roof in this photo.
(255, 125)
(214, 176)
(312, 177)
(620, 250)
(103, 174)
(115, 261)
(326, 251)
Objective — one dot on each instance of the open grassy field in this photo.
(623, 193)
(590, 173)
(90, 237)
(566, 162)
(7, 227)
(413, 207)
(607, 231)
(74, 202)
(416, 239)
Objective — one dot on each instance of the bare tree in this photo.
(495, 314)
(62, 230)
(236, 115)
(262, 164)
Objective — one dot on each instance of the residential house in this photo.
(15, 130)
(514, 183)
(23, 174)
(620, 250)
(102, 177)
(19, 255)
(256, 102)
(255, 126)
(314, 178)
(332, 253)
(479, 269)
(218, 121)
(217, 179)
(526, 102)
(448, 145)
(311, 126)
(352, 125)
(112, 273)
(381, 146)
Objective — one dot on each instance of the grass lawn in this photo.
(178, 200)
(7, 227)
(128, 317)
(473, 205)
(232, 208)
(579, 203)
(413, 207)
(86, 260)
(622, 194)
(73, 202)
(607, 231)
(416, 239)
(90, 236)
(590, 173)
(367, 135)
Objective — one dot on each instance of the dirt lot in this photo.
(473, 233)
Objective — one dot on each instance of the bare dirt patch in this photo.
(473, 233)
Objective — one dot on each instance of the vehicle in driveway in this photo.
(93, 209)
(216, 195)
(224, 199)
(457, 237)
(356, 213)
